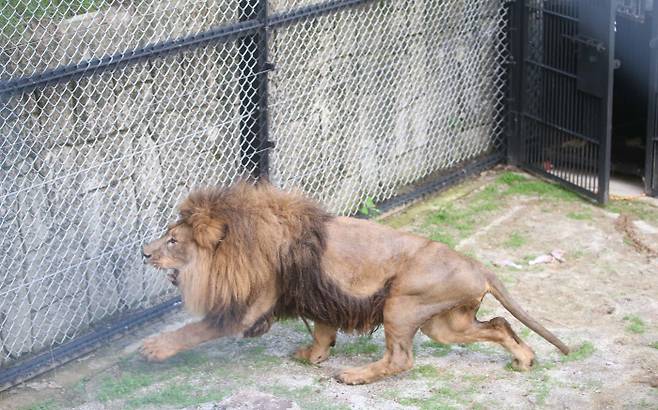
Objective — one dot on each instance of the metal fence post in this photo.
(516, 36)
(254, 127)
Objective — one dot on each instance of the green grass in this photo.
(444, 238)
(176, 395)
(455, 221)
(516, 184)
(515, 241)
(635, 324)
(111, 388)
(585, 350)
(525, 333)
(654, 345)
(425, 371)
(44, 405)
(479, 347)
(580, 216)
(541, 390)
(437, 349)
(362, 345)
(295, 324)
(442, 398)
(635, 209)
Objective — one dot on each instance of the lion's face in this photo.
(175, 250)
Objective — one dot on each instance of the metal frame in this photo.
(651, 160)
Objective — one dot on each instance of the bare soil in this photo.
(602, 300)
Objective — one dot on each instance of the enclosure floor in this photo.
(626, 187)
(602, 300)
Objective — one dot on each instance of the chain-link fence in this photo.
(112, 110)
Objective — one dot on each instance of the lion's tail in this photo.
(497, 289)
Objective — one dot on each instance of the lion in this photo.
(246, 255)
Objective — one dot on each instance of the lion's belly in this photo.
(362, 255)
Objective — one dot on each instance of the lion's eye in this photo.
(172, 241)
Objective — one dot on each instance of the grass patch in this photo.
(44, 405)
(442, 398)
(635, 324)
(654, 345)
(580, 216)
(257, 356)
(584, 351)
(635, 209)
(295, 324)
(483, 312)
(444, 238)
(175, 395)
(425, 371)
(541, 390)
(515, 241)
(515, 184)
(453, 222)
(525, 332)
(437, 349)
(363, 345)
(111, 388)
(479, 347)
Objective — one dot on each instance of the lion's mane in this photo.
(252, 236)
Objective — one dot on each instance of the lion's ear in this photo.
(208, 232)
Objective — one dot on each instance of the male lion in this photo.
(245, 255)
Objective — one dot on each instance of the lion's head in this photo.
(226, 245)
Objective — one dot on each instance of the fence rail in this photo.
(110, 112)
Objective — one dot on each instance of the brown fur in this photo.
(248, 254)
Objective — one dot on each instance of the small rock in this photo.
(507, 262)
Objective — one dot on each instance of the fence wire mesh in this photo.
(362, 102)
(370, 99)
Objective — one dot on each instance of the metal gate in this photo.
(560, 97)
(651, 164)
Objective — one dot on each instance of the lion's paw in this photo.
(158, 348)
(308, 354)
(523, 366)
(351, 376)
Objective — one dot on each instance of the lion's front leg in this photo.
(324, 337)
(165, 345)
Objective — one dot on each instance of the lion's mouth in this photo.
(173, 277)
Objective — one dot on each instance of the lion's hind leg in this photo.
(460, 326)
(324, 337)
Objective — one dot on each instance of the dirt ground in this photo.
(602, 299)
